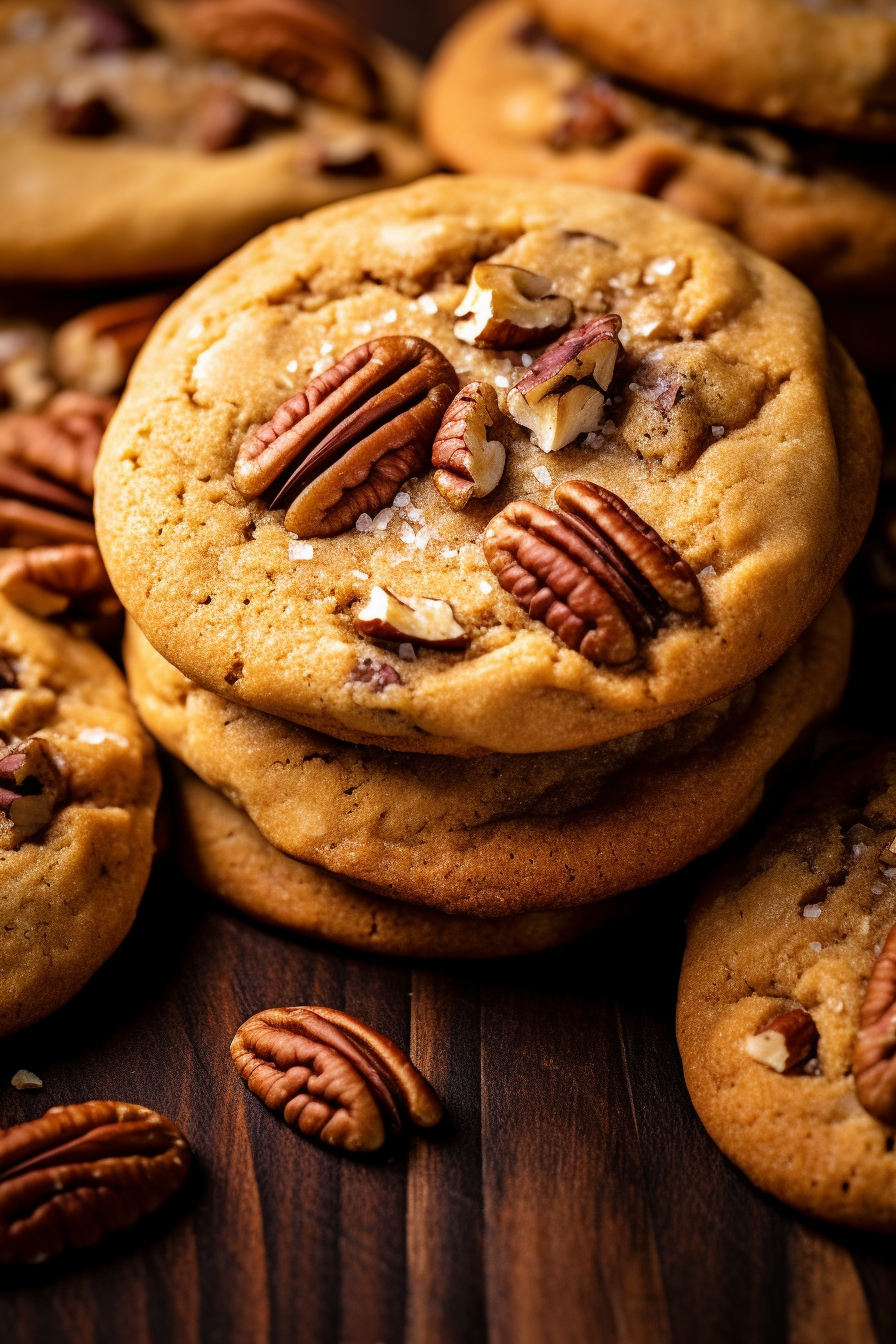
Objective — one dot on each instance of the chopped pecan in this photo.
(344, 445)
(332, 1076)
(9, 679)
(110, 27)
(45, 580)
(371, 672)
(874, 1053)
(563, 394)
(25, 380)
(468, 463)
(784, 1042)
(82, 1171)
(507, 308)
(422, 621)
(595, 115)
(94, 352)
(293, 40)
(31, 787)
(594, 572)
(90, 117)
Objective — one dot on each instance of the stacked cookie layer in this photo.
(479, 540)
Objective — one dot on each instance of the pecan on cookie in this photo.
(874, 1054)
(344, 445)
(31, 786)
(595, 573)
(563, 394)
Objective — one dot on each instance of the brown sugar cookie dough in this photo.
(497, 835)
(786, 999)
(828, 64)
(502, 95)
(155, 145)
(741, 447)
(78, 790)
(223, 852)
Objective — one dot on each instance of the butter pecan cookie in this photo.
(328, 496)
(828, 64)
(499, 835)
(224, 852)
(78, 790)
(502, 95)
(787, 999)
(154, 139)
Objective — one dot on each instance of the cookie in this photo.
(826, 64)
(223, 852)
(783, 999)
(495, 835)
(502, 95)
(78, 790)
(735, 468)
(157, 145)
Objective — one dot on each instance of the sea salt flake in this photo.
(428, 304)
(97, 735)
(647, 328)
(543, 475)
(890, 872)
(362, 328)
(25, 1081)
(423, 538)
(292, 366)
(485, 587)
(662, 266)
(877, 890)
(501, 381)
(195, 330)
(319, 366)
(859, 849)
(816, 947)
(364, 523)
(391, 316)
(707, 572)
(415, 515)
(327, 348)
(407, 534)
(837, 1006)
(401, 499)
(717, 431)
(527, 360)
(383, 519)
(448, 553)
(812, 911)
(608, 429)
(406, 651)
(359, 574)
(300, 550)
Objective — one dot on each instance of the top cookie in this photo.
(735, 469)
(828, 64)
(155, 145)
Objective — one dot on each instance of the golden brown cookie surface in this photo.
(734, 432)
(78, 791)
(503, 96)
(498, 835)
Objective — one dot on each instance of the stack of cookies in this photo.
(771, 118)
(480, 546)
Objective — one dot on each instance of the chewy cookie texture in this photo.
(497, 835)
(707, 456)
(155, 139)
(78, 790)
(788, 997)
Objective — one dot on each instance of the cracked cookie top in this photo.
(643, 512)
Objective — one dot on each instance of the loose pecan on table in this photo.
(94, 351)
(594, 572)
(31, 787)
(786, 1041)
(332, 1076)
(563, 394)
(344, 445)
(874, 1052)
(82, 1171)
(46, 580)
(293, 40)
(467, 462)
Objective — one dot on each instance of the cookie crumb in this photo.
(25, 1081)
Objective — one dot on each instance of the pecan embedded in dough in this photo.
(874, 1053)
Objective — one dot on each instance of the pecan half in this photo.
(82, 1171)
(332, 1076)
(468, 463)
(563, 394)
(507, 308)
(874, 1053)
(95, 350)
(31, 787)
(310, 47)
(425, 621)
(785, 1041)
(595, 115)
(594, 572)
(89, 117)
(45, 580)
(344, 445)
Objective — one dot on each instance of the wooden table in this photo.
(572, 1197)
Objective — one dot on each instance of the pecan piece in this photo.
(31, 787)
(425, 621)
(595, 115)
(344, 445)
(368, 672)
(81, 1171)
(874, 1053)
(563, 394)
(95, 350)
(47, 579)
(110, 27)
(332, 1076)
(507, 308)
(468, 463)
(90, 117)
(785, 1041)
(304, 44)
(594, 572)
